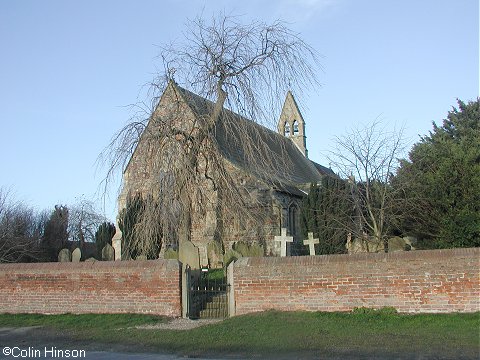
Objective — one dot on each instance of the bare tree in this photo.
(20, 231)
(241, 69)
(368, 157)
(83, 222)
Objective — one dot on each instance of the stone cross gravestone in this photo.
(283, 239)
(108, 253)
(64, 256)
(311, 243)
(76, 255)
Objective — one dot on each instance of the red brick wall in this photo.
(151, 287)
(416, 281)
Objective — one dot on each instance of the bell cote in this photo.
(292, 125)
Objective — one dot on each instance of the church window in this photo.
(292, 220)
(295, 127)
(287, 129)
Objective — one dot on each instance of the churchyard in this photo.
(338, 306)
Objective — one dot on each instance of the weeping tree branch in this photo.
(243, 69)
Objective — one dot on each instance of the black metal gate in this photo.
(207, 294)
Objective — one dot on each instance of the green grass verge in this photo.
(91, 322)
(272, 332)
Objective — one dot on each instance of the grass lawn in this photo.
(282, 333)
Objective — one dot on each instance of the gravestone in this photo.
(310, 242)
(117, 243)
(399, 244)
(161, 253)
(76, 255)
(410, 241)
(283, 239)
(364, 244)
(91, 259)
(188, 254)
(64, 256)
(215, 256)
(108, 253)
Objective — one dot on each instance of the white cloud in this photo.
(303, 10)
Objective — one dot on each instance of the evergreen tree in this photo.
(103, 236)
(442, 177)
(132, 224)
(55, 235)
(327, 212)
(128, 218)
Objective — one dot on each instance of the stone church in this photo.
(278, 191)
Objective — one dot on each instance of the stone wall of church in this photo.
(139, 174)
(268, 212)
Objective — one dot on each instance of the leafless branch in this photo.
(368, 156)
(242, 69)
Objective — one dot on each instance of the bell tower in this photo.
(292, 125)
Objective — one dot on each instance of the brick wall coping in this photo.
(367, 257)
(80, 266)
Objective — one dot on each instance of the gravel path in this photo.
(180, 324)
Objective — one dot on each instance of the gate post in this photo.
(230, 290)
(185, 289)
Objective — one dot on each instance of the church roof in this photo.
(236, 136)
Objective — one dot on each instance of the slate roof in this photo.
(291, 171)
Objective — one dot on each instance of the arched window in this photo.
(292, 219)
(287, 129)
(295, 127)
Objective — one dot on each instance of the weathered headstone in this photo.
(76, 255)
(310, 242)
(215, 256)
(117, 243)
(364, 244)
(188, 254)
(348, 244)
(91, 259)
(161, 253)
(410, 241)
(108, 253)
(283, 239)
(399, 244)
(203, 255)
(64, 256)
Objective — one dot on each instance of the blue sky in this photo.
(69, 68)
